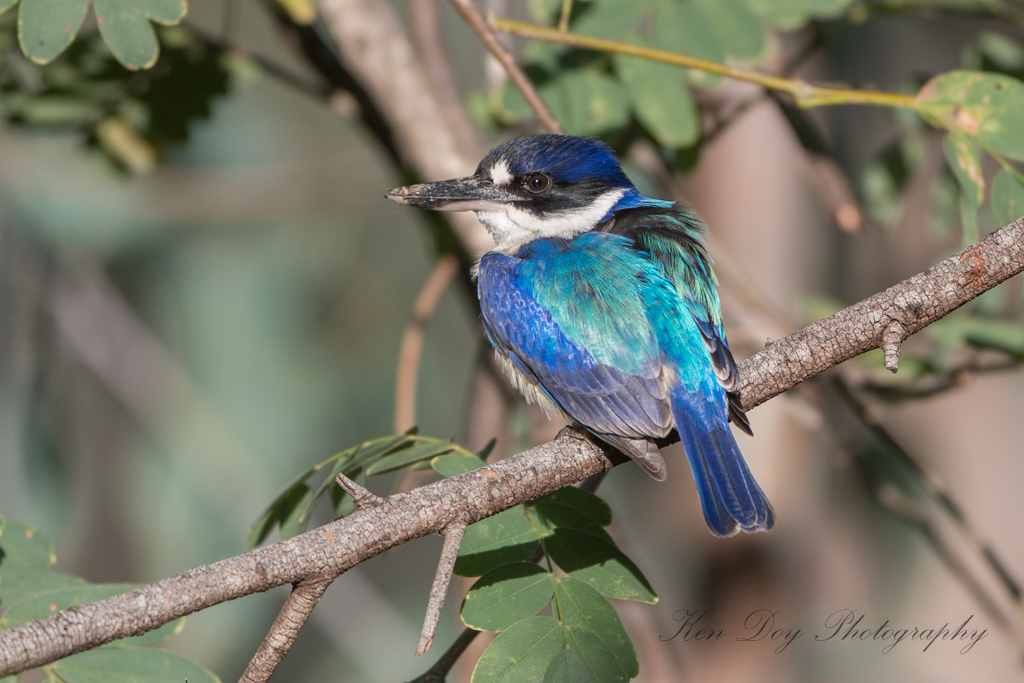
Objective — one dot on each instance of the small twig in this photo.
(412, 340)
(453, 534)
(892, 338)
(563, 20)
(932, 385)
(285, 630)
(361, 497)
(439, 671)
(471, 15)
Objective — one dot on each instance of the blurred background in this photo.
(209, 294)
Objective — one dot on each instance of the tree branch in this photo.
(449, 553)
(324, 552)
(285, 630)
(885, 319)
(469, 12)
(329, 550)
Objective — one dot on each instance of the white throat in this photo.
(512, 227)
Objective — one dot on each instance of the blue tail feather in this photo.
(729, 495)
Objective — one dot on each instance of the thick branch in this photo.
(372, 529)
(325, 552)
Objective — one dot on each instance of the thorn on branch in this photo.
(453, 534)
(361, 497)
(892, 338)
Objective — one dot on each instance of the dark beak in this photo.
(458, 194)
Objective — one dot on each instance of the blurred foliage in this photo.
(132, 116)
(29, 590)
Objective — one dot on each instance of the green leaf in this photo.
(586, 101)
(408, 456)
(600, 665)
(1007, 198)
(612, 18)
(25, 546)
(582, 607)
(567, 668)
(4, 6)
(589, 504)
(661, 100)
(54, 110)
(294, 522)
(681, 27)
(44, 604)
(282, 507)
(736, 27)
(329, 481)
(379, 447)
(599, 563)
(47, 27)
(963, 159)
(985, 106)
(791, 14)
(49, 602)
(486, 451)
(125, 27)
(1002, 335)
(504, 538)
(507, 595)
(455, 464)
(968, 220)
(548, 517)
(521, 653)
(21, 582)
(131, 665)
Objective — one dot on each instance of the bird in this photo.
(601, 304)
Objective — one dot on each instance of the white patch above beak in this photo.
(500, 173)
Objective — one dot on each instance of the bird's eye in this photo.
(538, 182)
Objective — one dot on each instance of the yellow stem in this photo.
(563, 21)
(805, 94)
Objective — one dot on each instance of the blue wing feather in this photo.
(602, 397)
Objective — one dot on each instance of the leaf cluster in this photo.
(583, 638)
(291, 510)
(130, 115)
(594, 94)
(30, 590)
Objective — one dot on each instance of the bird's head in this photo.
(534, 187)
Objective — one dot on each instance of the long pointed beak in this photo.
(458, 194)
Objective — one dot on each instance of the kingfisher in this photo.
(601, 304)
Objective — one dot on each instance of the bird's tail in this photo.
(730, 497)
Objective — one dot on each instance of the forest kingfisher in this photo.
(601, 304)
